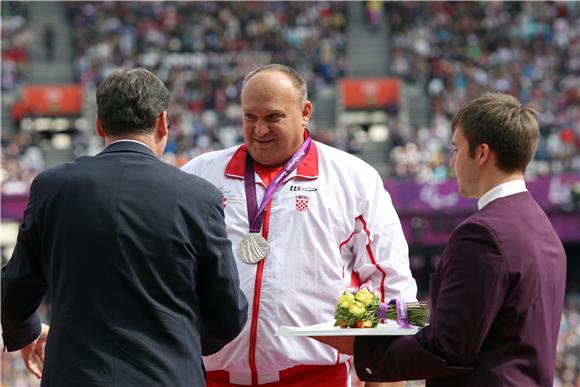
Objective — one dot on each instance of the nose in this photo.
(261, 128)
(452, 162)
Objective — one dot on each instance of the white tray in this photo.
(328, 329)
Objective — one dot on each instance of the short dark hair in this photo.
(297, 80)
(499, 120)
(130, 101)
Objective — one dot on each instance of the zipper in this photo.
(256, 304)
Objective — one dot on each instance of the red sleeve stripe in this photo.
(346, 240)
(372, 257)
(342, 244)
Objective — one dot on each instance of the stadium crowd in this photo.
(457, 51)
(529, 50)
(187, 44)
(21, 159)
(202, 50)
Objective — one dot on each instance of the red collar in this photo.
(308, 169)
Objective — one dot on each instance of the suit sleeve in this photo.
(379, 246)
(467, 294)
(23, 284)
(223, 306)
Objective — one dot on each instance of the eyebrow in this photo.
(268, 111)
(275, 111)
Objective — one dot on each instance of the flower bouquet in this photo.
(362, 308)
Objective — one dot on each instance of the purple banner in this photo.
(551, 192)
(13, 206)
(430, 212)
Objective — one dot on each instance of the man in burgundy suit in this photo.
(497, 295)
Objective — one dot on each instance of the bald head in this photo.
(298, 83)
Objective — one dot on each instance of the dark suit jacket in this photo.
(141, 274)
(496, 305)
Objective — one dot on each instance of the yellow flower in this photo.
(364, 296)
(346, 299)
(357, 308)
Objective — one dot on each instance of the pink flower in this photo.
(352, 289)
(369, 286)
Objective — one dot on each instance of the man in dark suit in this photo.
(497, 295)
(134, 253)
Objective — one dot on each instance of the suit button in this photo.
(368, 370)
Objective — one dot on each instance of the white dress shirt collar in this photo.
(126, 139)
(500, 191)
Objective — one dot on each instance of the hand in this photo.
(344, 344)
(33, 353)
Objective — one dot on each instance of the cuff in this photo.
(16, 339)
(396, 358)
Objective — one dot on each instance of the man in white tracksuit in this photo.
(324, 222)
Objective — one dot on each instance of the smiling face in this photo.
(274, 117)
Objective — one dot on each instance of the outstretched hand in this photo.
(33, 353)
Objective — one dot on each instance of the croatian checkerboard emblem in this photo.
(302, 203)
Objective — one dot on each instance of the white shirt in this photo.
(500, 191)
(126, 139)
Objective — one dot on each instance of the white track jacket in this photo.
(331, 224)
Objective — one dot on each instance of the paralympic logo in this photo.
(430, 194)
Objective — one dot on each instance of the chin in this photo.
(269, 163)
(261, 159)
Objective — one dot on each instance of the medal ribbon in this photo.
(402, 316)
(254, 213)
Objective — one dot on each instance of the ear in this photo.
(161, 129)
(100, 132)
(306, 113)
(483, 154)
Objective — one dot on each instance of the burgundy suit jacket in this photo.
(496, 304)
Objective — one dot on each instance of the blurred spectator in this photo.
(16, 40)
(21, 162)
(48, 40)
(373, 13)
(424, 157)
(568, 350)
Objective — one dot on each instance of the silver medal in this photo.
(253, 248)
